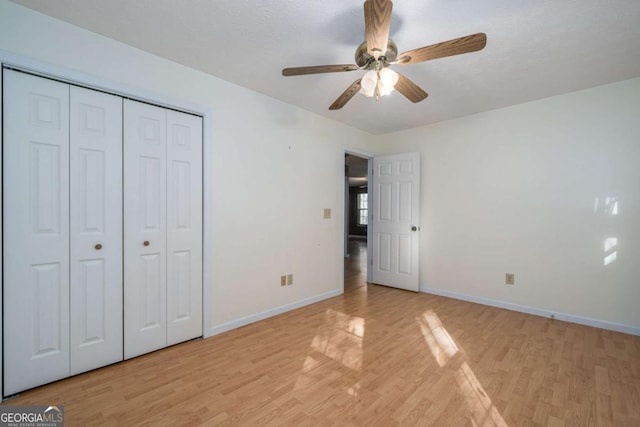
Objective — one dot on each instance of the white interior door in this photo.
(184, 227)
(96, 229)
(36, 231)
(396, 216)
(145, 237)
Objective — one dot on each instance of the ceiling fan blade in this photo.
(409, 89)
(457, 46)
(346, 96)
(317, 69)
(377, 23)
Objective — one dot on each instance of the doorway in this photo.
(357, 216)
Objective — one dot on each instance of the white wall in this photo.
(273, 168)
(523, 190)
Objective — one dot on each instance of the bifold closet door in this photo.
(145, 236)
(64, 184)
(184, 227)
(63, 230)
(95, 229)
(162, 227)
(36, 231)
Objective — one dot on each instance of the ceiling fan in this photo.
(378, 52)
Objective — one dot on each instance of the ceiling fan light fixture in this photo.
(378, 82)
(368, 83)
(387, 81)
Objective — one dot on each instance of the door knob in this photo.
(98, 246)
(146, 243)
(414, 228)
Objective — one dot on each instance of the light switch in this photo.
(327, 213)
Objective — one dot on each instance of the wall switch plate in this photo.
(283, 280)
(289, 279)
(327, 213)
(510, 279)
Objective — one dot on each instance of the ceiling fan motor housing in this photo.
(368, 62)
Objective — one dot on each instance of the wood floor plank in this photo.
(374, 356)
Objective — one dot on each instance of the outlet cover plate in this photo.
(510, 279)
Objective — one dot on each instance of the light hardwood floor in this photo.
(355, 266)
(374, 356)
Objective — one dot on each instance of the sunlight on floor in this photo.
(445, 351)
(340, 339)
(440, 343)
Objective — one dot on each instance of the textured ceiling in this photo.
(535, 48)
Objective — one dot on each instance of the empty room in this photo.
(349, 213)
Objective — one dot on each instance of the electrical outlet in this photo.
(327, 213)
(510, 279)
(283, 280)
(289, 279)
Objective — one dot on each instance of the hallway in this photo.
(355, 266)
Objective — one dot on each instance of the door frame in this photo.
(369, 156)
(70, 76)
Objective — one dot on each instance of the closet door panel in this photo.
(145, 285)
(184, 230)
(36, 231)
(96, 229)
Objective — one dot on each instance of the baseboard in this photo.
(587, 321)
(233, 324)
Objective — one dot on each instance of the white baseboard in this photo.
(233, 324)
(587, 321)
